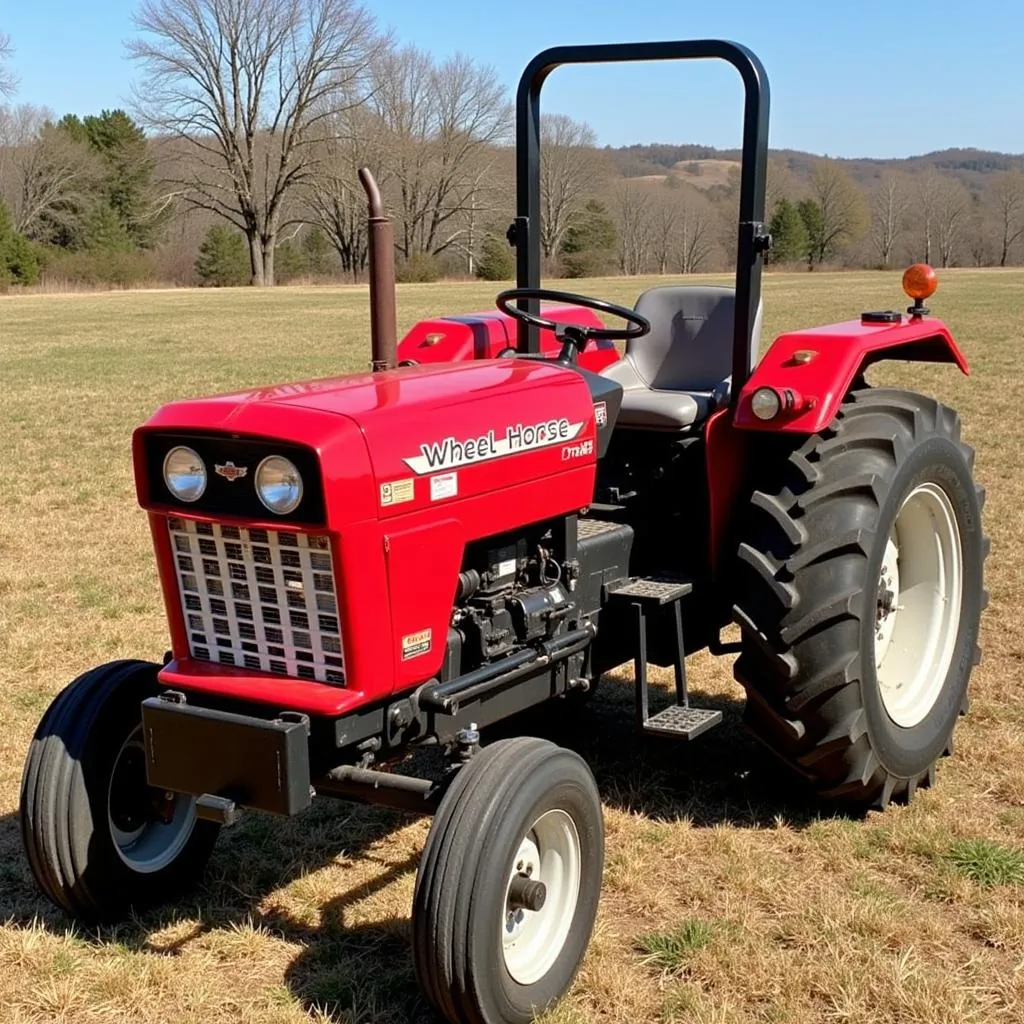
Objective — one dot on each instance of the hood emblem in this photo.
(230, 471)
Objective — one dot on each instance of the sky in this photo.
(848, 77)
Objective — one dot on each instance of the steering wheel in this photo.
(574, 336)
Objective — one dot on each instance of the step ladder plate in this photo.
(686, 723)
(661, 591)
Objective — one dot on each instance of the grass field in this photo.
(728, 897)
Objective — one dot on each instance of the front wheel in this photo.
(100, 841)
(507, 890)
(858, 594)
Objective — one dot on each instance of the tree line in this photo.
(237, 164)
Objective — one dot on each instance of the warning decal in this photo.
(398, 491)
(444, 485)
(415, 644)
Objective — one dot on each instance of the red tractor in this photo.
(358, 565)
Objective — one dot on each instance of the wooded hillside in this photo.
(237, 163)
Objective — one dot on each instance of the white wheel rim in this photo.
(920, 592)
(532, 940)
(154, 842)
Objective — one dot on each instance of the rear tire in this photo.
(853, 681)
(521, 807)
(99, 840)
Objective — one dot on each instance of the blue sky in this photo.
(849, 77)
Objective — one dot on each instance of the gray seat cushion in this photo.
(663, 410)
(678, 374)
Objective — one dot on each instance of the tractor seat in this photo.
(674, 377)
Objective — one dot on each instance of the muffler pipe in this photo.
(383, 323)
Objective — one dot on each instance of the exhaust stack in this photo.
(383, 329)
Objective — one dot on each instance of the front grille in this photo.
(259, 599)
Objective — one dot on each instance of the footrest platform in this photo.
(653, 591)
(683, 723)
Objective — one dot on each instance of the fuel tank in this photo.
(487, 334)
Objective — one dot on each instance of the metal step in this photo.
(595, 527)
(650, 589)
(686, 723)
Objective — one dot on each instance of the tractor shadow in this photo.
(349, 970)
(723, 777)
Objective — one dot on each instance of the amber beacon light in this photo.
(919, 282)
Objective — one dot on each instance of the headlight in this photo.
(279, 484)
(765, 403)
(184, 474)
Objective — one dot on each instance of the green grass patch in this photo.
(671, 951)
(987, 863)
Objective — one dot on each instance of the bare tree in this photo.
(1007, 199)
(926, 200)
(8, 80)
(779, 184)
(337, 202)
(635, 226)
(339, 208)
(441, 123)
(247, 83)
(979, 232)
(888, 203)
(696, 231)
(664, 224)
(952, 210)
(20, 127)
(56, 180)
(840, 209)
(570, 172)
(479, 201)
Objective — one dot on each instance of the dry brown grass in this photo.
(811, 917)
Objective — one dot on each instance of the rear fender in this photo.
(727, 462)
(816, 367)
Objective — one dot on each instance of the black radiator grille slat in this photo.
(259, 599)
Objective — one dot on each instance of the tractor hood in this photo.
(391, 442)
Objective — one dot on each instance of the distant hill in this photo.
(706, 167)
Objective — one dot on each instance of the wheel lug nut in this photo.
(529, 870)
(519, 866)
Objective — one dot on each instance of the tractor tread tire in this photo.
(73, 865)
(456, 887)
(800, 582)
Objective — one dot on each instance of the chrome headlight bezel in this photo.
(297, 486)
(766, 404)
(188, 495)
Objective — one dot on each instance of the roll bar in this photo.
(753, 240)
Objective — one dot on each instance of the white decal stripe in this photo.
(499, 448)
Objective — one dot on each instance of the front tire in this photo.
(522, 811)
(99, 840)
(858, 595)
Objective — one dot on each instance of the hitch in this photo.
(218, 809)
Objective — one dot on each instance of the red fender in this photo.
(812, 370)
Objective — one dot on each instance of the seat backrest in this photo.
(690, 344)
